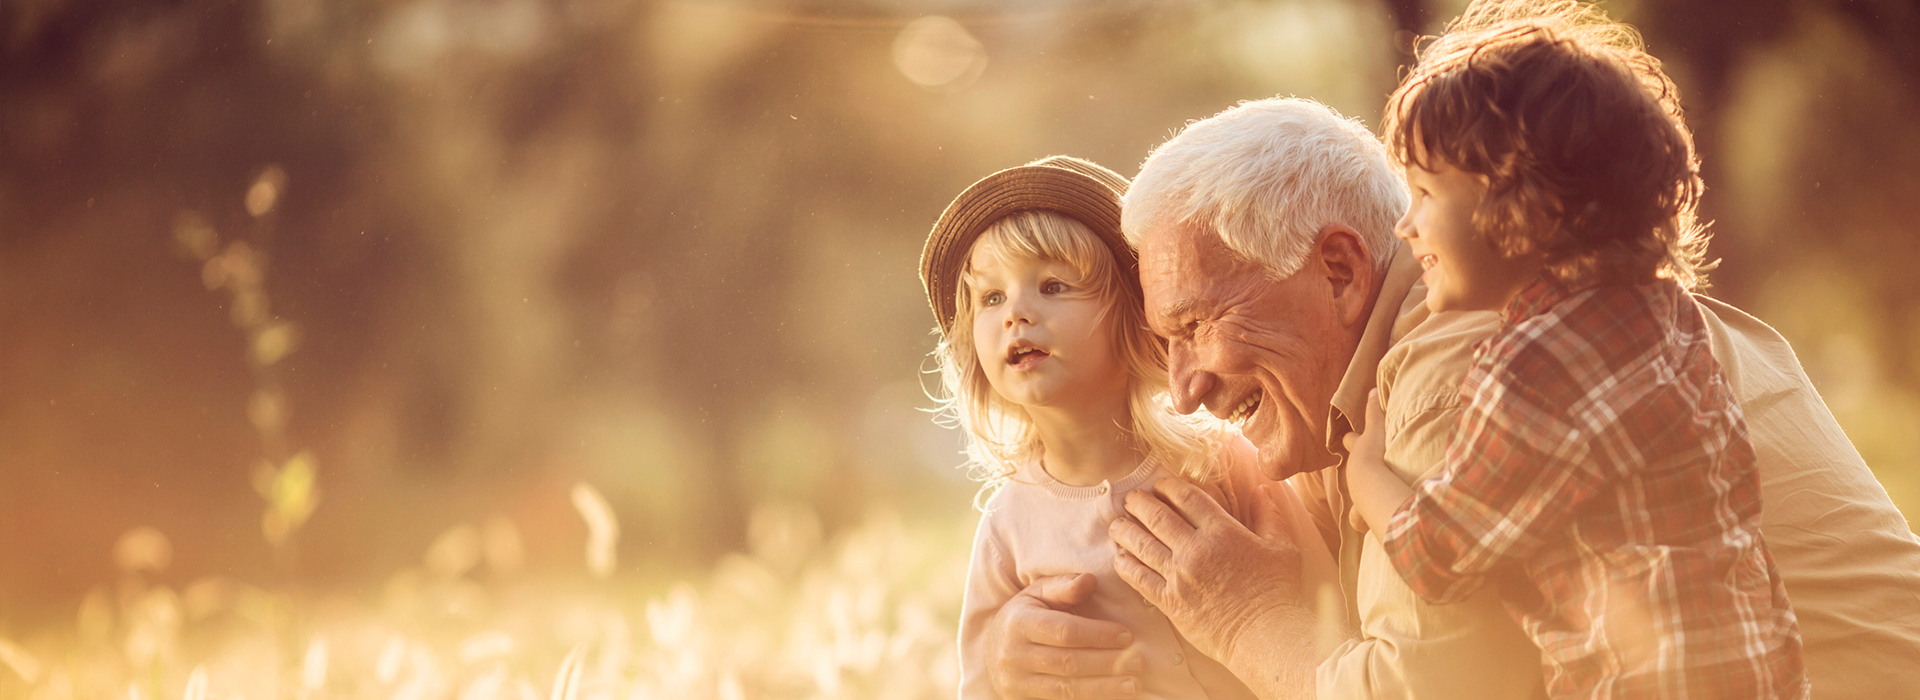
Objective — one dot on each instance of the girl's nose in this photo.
(1403, 229)
(1019, 311)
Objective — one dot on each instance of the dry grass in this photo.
(869, 615)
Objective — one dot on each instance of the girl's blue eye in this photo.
(992, 299)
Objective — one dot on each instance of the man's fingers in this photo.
(1063, 688)
(1192, 503)
(1144, 579)
(1076, 663)
(1058, 629)
(1158, 517)
(1062, 591)
(1140, 543)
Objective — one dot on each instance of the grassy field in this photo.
(867, 615)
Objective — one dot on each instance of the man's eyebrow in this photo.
(1175, 310)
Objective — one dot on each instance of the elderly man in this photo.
(1269, 265)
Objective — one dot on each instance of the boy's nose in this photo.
(1403, 229)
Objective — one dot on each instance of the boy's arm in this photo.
(1517, 468)
(1408, 649)
(1377, 492)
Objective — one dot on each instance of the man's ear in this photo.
(1348, 266)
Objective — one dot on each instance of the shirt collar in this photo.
(1535, 298)
(1400, 305)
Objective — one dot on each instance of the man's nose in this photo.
(1187, 385)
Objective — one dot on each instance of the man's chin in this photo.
(1281, 457)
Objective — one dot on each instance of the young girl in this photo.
(1050, 369)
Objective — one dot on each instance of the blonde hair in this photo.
(1000, 436)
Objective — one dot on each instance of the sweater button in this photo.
(1103, 489)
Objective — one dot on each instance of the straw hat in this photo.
(1076, 188)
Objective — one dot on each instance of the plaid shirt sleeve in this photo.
(1518, 467)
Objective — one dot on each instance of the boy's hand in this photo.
(1367, 465)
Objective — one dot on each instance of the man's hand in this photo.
(1037, 650)
(1211, 576)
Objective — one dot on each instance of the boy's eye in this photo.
(1053, 287)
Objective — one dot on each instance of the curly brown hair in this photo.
(1578, 131)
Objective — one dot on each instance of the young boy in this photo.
(1601, 475)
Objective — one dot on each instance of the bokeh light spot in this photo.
(936, 51)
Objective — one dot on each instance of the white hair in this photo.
(1267, 176)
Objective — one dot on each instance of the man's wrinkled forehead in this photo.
(1179, 267)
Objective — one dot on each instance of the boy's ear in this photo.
(1348, 266)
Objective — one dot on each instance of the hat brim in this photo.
(1076, 188)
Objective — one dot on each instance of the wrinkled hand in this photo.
(1036, 650)
(1210, 575)
(1366, 449)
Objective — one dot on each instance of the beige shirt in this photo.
(1850, 560)
(1035, 526)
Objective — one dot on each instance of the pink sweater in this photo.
(1035, 526)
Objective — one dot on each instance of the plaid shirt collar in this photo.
(1538, 296)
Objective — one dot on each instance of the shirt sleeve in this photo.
(1516, 470)
(991, 582)
(1408, 649)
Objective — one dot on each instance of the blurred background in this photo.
(339, 307)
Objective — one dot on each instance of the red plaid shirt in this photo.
(1602, 479)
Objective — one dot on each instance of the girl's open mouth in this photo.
(1025, 357)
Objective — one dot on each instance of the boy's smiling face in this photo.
(1462, 272)
(1042, 335)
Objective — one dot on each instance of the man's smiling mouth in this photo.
(1245, 410)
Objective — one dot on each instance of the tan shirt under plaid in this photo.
(1851, 564)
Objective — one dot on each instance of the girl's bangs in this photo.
(1044, 235)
